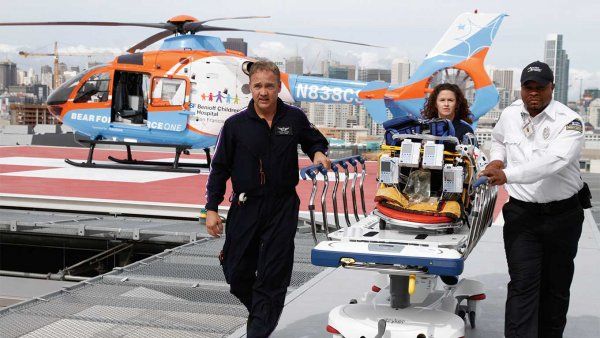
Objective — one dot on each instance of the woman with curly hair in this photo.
(448, 102)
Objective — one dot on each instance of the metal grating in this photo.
(100, 226)
(178, 293)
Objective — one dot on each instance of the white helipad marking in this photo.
(66, 171)
(34, 161)
(182, 160)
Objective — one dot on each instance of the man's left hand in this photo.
(321, 158)
(495, 176)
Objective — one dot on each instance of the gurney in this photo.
(419, 253)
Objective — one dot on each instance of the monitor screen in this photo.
(386, 166)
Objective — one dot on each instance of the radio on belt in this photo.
(388, 170)
(410, 153)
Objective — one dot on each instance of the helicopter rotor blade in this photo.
(147, 42)
(167, 25)
(234, 18)
(213, 28)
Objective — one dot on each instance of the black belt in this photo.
(554, 207)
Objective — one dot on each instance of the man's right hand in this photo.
(496, 164)
(214, 224)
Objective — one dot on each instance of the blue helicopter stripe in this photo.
(316, 89)
(95, 122)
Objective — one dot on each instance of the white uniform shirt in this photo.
(543, 166)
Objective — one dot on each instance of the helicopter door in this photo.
(168, 111)
(130, 98)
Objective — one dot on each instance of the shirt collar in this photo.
(251, 112)
(550, 110)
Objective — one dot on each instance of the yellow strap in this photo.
(412, 284)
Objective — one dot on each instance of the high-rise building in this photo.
(558, 60)
(41, 91)
(504, 98)
(594, 113)
(516, 94)
(343, 72)
(334, 70)
(31, 78)
(503, 78)
(8, 75)
(373, 74)
(328, 114)
(400, 71)
(325, 64)
(236, 44)
(590, 95)
(294, 65)
(21, 76)
(46, 76)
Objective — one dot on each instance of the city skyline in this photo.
(407, 28)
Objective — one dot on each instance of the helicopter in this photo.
(180, 95)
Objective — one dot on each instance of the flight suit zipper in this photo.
(261, 172)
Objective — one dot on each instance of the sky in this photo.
(406, 28)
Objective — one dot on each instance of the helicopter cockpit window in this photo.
(95, 89)
(168, 92)
(61, 94)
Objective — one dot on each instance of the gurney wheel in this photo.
(381, 224)
(472, 319)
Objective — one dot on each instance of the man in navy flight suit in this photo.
(257, 149)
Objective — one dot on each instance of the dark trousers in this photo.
(540, 243)
(258, 257)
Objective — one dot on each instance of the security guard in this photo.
(540, 141)
(257, 148)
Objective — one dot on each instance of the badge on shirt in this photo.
(546, 133)
(283, 131)
(527, 124)
(575, 125)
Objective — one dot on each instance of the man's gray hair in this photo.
(264, 65)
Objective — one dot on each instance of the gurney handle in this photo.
(312, 171)
(480, 181)
(342, 162)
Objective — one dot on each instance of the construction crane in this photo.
(56, 54)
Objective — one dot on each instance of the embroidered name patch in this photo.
(575, 125)
(283, 131)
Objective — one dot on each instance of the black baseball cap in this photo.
(537, 71)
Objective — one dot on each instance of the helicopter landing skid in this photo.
(132, 164)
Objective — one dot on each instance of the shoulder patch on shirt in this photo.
(575, 125)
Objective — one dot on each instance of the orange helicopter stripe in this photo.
(416, 90)
(474, 67)
(372, 94)
(285, 80)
